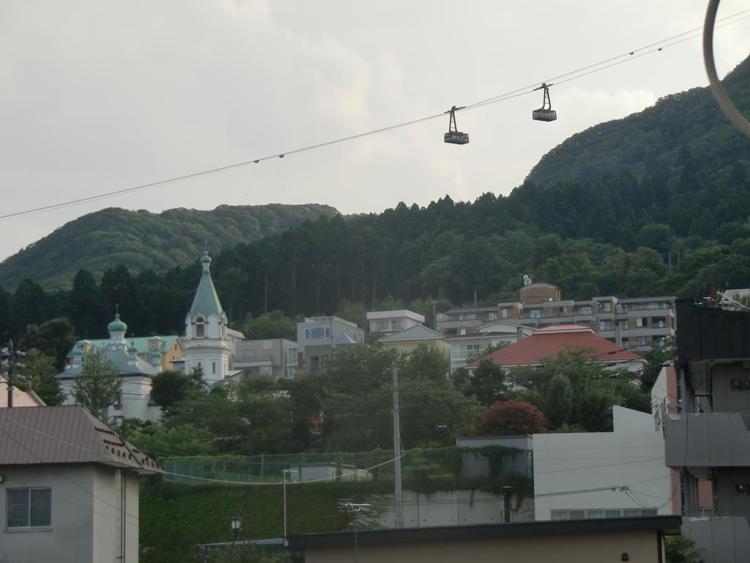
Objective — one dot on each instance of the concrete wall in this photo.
(84, 516)
(453, 508)
(568, 466)
(641, 547)
(721, 539)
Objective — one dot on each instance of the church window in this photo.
(200, 328)
(213, 368)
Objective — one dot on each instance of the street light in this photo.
(236, 524)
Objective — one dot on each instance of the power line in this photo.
(586, 70)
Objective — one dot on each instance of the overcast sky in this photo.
(98, 95)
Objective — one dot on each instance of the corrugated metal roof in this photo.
(67, 434)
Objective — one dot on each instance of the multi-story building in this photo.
(467, 347)
(319, 337)
(634, 323)
(386, 322)
(709, 438)
(275, 357)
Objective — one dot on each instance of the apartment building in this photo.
(708, 437)
(633, 323)
(318, 338)
(276, 357)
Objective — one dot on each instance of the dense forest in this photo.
(142, 240)
(678, 224)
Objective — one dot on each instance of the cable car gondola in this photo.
(453, 135)
(544, 113)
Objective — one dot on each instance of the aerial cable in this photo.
(559, 79)
(717, 89)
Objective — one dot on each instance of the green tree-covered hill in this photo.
(142, 240)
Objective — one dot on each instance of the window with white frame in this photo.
(29, 507)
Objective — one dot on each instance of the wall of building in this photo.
(115, 527)
(70, 538)
(453, 508)
(568, 466)
(641, 547)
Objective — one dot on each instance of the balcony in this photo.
(707, 440)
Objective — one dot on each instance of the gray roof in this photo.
(206, 301)
(68, 434)
(124, 362)
(417, 332)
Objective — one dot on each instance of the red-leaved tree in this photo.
(513, 417)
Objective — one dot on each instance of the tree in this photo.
(160, 440)
(270, 325)
(513, 417)
(682, 549)
(53, 338)
(486, 383)
(38, 373)
(98, 386)
(170, 386)
(425, 362)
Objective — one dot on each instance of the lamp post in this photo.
(236, 524)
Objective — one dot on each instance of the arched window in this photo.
(200, 327)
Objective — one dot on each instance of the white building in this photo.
(273, 357)
(135, 374)
(604, 474)
(386, 322)
(68, 488)
(468, 346)
(318, 338)
(208, 343)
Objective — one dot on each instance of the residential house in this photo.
(276, 358)
(20, 398)
(634, 323)
(386, 322)
(68, 488)
(573, 541)
(550, 341)
(419, 335)
(708, 437)
(318, 338)
(135, 375)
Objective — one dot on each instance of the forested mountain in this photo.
(142, 240)
(670, 219)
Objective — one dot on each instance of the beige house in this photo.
(419, 335)
(68, 488)
(574, 541)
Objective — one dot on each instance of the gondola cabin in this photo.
(453, 136)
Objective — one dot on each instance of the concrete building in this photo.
(318, 338)
(468, 346)
(410, 339)
(385, 322)
(275, 357)
(135, 374)
(604, 474)
(68, 488)
(708, 438)
(634, 323)
(621, 539)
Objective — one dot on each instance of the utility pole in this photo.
(398, 507)
(9, 357)
(284, 473)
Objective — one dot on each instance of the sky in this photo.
(100, 95)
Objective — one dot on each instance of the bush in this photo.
(513, 417)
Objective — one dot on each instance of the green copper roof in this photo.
(140, 343)
(117, 325)
(206, 301)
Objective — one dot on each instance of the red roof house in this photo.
(550, 341)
